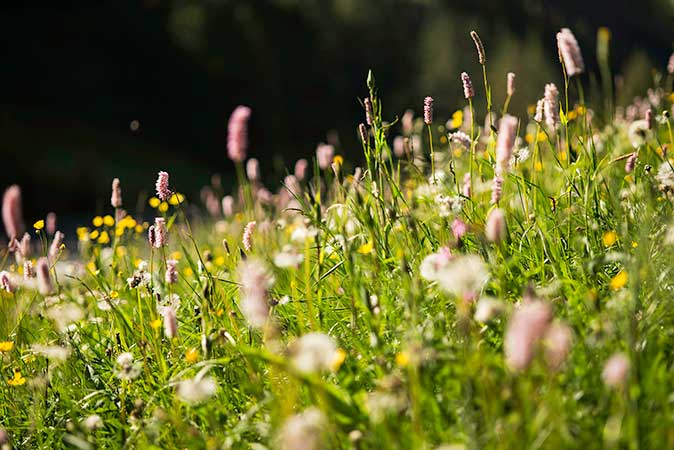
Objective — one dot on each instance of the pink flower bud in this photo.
(616, 370)
(428, 110)
(301, 167)
(50, 223)
(324, 154)
(237, 134)
(12, 216)
(468, 90)
(495, 228)
(526, 327)
(44, 284)
(162, 186)
(510, 84)
(248, 236)
(171, 275)
(253, 169)
(116, 196)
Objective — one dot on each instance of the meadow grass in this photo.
(401, 306)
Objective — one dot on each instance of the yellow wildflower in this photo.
(177, 255)
(402, 359)
(338, 360)
(114, 294)
(108, 221)
(104, 238)
(138, 229)
(39, 225)
(154, 202)
(457, 119)
(176, 199)
(191, 356)
(97, 221)
(18, 379)
(163, 207)
(618, 281)
(6, 346)
(82, 233)
(338, 159)
(609, 238)
(155, 324)
(366, 248)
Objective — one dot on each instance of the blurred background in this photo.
(124, 88)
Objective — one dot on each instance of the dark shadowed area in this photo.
(124, 88)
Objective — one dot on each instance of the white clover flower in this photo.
(198, 389)
(637, 133)
(487, 308)
(303, 431)
(434, 263)
(288, 257)
(127, 368)
(313, 352)
(464, 276)
(93, 422)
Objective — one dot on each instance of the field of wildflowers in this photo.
(471, 282)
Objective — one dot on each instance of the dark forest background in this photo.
(74, 75)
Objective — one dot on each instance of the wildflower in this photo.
(28, 270)
(428, 110)
(609, 238)
(303, 431)
(432, 264)
(461, 138)
(665, 178)
(17, 380)
(670, 64)
(127, 368)
(288, 258)
(468, 91)
(43, 278)
(162, 186)
(301, 169)
(254, 291)
(479, 47)
(6, 346)
(12, 217)
(366, 248)
(407, 122)
(324, 155)
(116, 196)
(619, 281)
(495, 227)
(459, 228)
(313, 352)
(56, 245)
(526, 327)
(616, 370)
(191, 356)
(463, 276)
(171, 275)
(551, 105)
(5, 282)
(253, 169)
(558, 339)
(569, 51)
(92, 423)
(364, 135)
(197, 390)
(486, 309)
(399, 146)
(649, 118)
(507, 133)
(540, 105)
(228, 205)
(510, 84)
(170, 322)
(368, 111)
(248, 235)
(51, 223)
(39, 225)
(237, 134)
(637, 133)
(157, 233)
